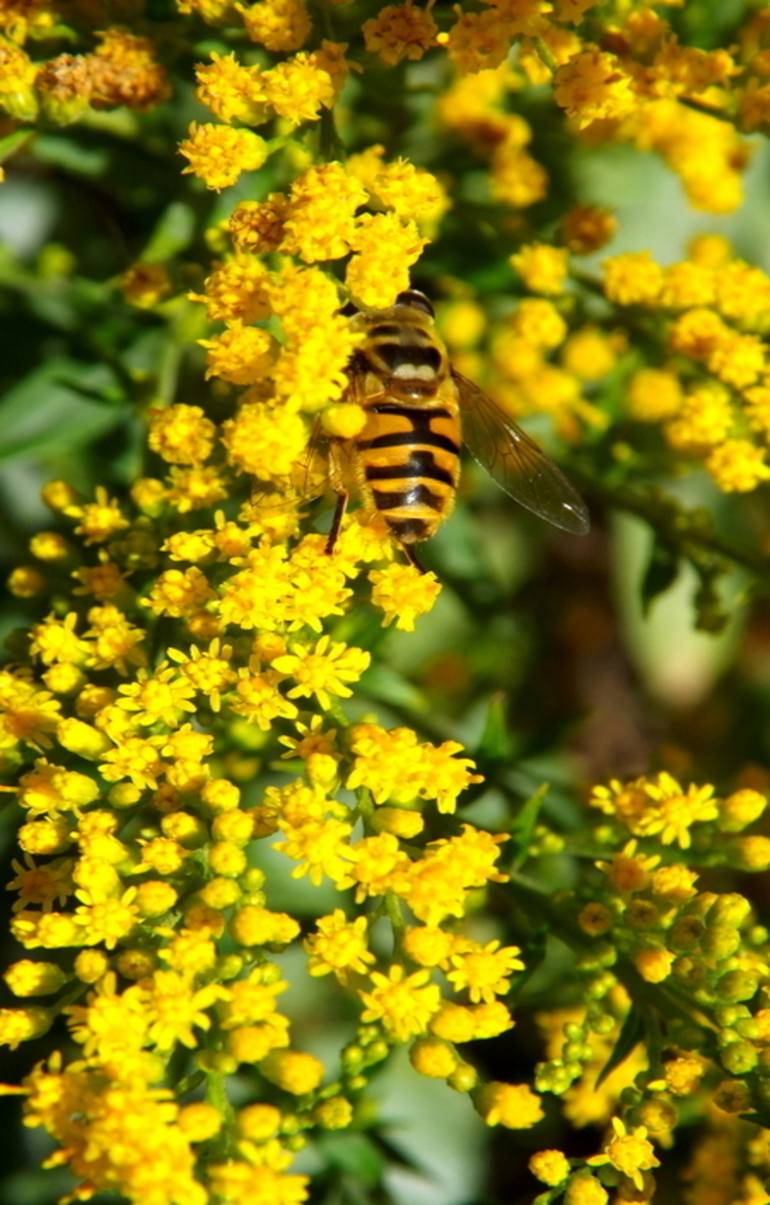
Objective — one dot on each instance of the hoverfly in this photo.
(419, 411)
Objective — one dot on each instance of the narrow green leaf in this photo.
(495, 744)
(69, 153)
(173, 232)
(46, 411)
(661, 572)
(628, 1039)
(14, 142)
(523, 824)
(383, 683)
(355, 1155)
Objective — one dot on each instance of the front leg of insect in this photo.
(337, 481)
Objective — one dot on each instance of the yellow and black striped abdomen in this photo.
(409, 464)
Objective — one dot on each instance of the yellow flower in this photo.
(479, 41)
(738, 466)
(231, 91)
(264, 440)
(173, 1007)
(241, 354)
(703, 420)
(653, 395)
(542, 268)
(514, 1106)
(298, 88)
(400, 31)
(585, 1189)
(293, 1071)
(19, 1025)
(411, 192)
(218, 155)
(484, 970)
(123, 71)
(27, 978)
(322, 669)
(144, 285)
(17, 78)
(653, 964)
(161, 697)
(629, 871)
(632, 279)
(236, 291)
(592, 86)
(320, 220)
(386, 247)
(181, 434)
(551, 1167)
(339, 946)
(278, 25)
(404, 1004)
(586, 228)
(259, 225)
(403, 593)
(628, 1151)
(98, 520)
(433, 1058)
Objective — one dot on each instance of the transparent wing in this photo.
(308, 479)
(517, 463)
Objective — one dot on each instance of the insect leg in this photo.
(339, 514)
(411, 556)
(337, 481)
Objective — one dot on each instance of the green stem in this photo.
(216, 1095)
(545, 54)
(664, 998)
(329, 144)
(396, 918)
(707, 110)
(683, 529)
(168, 370)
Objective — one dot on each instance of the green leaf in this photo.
(13, 143)
(383, 683)
(47, 410)
(355, 1155)
(495, 744)
(523, 824)
(661, 572)
(173, 232)
(70, 153)
(628, 1039)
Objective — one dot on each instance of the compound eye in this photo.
(417, 300)
(350, 310)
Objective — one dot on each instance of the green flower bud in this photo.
(729, 909)
(721, 941)
(690, 971)
(729, 1015)
(737, 985)
(686, 934)
(464, 1078)
(739, 1058)
(352, 1058)
(602, 1023)
(733, 1096)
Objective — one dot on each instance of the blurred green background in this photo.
(547, 628)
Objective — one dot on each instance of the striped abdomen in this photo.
(409, 463)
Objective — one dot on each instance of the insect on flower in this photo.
(405, 462)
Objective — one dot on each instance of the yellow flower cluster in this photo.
(191, 722)
(710, 389)
(122, 70)
(140, 849)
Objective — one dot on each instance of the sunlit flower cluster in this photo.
(197, 721)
